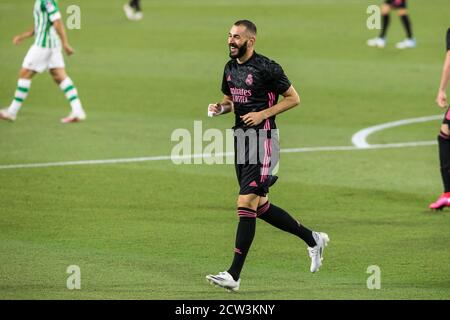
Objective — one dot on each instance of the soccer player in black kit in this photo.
(251, 86)
(402, 11)
(444, 136)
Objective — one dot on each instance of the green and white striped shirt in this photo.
(45, 13)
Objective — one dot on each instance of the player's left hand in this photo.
(253, 118)
(68, 49)
(17, 40)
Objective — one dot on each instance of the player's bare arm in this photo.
(290, 100)
(441, 99)
(59, 27)
(23, 36)
(225, 106)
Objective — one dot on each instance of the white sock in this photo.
(71, 94)
(23, 87)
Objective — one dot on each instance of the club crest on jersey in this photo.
(249, 80)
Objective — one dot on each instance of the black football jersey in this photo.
(254, 85)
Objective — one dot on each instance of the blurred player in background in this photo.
(133, 10)
(251, 86)
(400, 6)
(45, 54)
(444, 135)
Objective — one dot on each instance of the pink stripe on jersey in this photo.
(271, 99)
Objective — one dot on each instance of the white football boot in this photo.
(316, 252)
(406, 44)
(6, 115)
(74, 117)
(129, 11)
(377, 42)
(138, 15)
(224, 280)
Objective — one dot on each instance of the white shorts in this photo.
(41, 59)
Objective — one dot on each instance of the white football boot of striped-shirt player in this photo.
(71, 94)
(74, 117)
(6, 115)
(22, 90)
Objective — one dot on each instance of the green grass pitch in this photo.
(153, 230)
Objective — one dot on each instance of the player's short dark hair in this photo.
(251, 27)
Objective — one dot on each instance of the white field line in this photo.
(222, 154)
(359, 139)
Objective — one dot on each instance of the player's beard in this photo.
(242, 50)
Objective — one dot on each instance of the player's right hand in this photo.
(68, 49)
(214, 109)
(441, 99)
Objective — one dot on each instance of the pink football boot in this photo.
(442, 202)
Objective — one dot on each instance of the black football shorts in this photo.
(255, 158)
(447, 118)
(397, 4)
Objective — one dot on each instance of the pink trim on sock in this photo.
(244, 213)
(263, 208)
(443, 135)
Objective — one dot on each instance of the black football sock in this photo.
(135, 4)
(407, 25)
(444, 157)
(385, 19)
(244, 238)
(284, 221)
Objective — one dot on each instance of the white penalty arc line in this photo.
(359, 139)
(221, 154)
